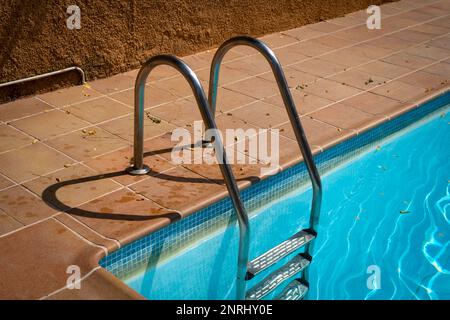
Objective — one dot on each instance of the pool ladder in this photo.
(297, 288)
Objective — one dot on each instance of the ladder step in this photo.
(295, 290)
(294, 266)
(280, 251)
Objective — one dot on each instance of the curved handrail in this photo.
(305, 149)
(140, 168)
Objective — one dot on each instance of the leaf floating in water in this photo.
(404, 211)
(377, 148)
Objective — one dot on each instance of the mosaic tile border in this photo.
(165, 242)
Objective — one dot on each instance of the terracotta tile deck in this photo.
(65, 199)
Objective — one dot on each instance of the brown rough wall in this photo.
(116, 36)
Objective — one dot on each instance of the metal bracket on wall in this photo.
(45, 75)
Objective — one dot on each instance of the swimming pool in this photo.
(384, 231)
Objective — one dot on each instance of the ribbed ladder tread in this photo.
(272, 281)
(276, 253)
(295, 290)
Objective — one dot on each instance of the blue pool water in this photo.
(387, 209)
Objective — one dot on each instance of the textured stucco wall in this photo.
(118, 35)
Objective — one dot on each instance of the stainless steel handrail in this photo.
(45, 75)
(305, 149)
(140, 168)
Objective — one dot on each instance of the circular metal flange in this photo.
(138, 172)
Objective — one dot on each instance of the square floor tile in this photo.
(256, 87)
(113, 84)
(153, 97)
(261, 114)
(87, 143)
(123, 215)
(228, 100)
(310, 48)
(383, 69)
(304, 102)
(251, 66)
(180, 113)
(49, 124)
(8, 224)
(359, 79)
(400, 91)
(294, 77)
(180, 189)
(319, 134)
(113, 164)
(39, 257)
(226, 75)
(288, 56)
(425, 80)
(331, 90)
(64, 97)
(31, 161)
(319, 67)
(124, 127)
(22, 108)
(11, 138)
(347, 57)
(372, 103)
(4, 182)
(72, 186)
(407, 60)
(303, 33)
(24, 206)
(276, 40)
(99, 110)
(429, 52)
(345, 117)
(441, 68)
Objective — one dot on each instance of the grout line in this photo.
(117, 242)
(29, 225)
(13, 218)
(89, 242)
(66, 287)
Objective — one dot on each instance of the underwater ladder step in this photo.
(272, 281)
(295, 290)
(280, 251)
